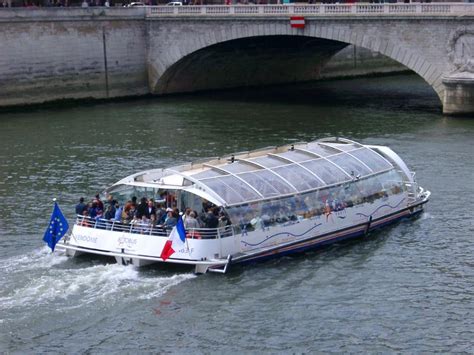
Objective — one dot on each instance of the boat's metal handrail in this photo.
(149, 229)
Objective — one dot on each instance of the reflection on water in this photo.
(405, 289)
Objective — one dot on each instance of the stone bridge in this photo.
(211, 47)
(69, 53)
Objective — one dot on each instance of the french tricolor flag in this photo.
(176, 240)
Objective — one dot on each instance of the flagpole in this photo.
(53, 237)
(187, 245)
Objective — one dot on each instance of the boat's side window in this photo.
(260, 215)
(392, 183)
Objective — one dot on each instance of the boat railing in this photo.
(412, 188)
(149, 229)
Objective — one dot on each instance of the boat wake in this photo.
(41, 278)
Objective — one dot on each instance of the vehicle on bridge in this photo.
(135, 4)
(265, 203)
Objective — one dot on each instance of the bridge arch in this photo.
(170, 59)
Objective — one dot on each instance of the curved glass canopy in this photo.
(297, 169)
(273, 172)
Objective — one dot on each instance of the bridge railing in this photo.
(441, 9)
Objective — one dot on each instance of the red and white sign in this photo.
(297, 22)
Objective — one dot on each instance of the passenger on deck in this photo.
(141, 208)
(110, 212)
(211, 219)
(150, 210)
(172, 219)
(81, 207)
(132, 213)
(152, 221)
(110, 200)
(118, 212)
(223, 220)
(191, 221)
(100, 204)
(160, 214)
(94, 210)
(186, 213)
(134, 201)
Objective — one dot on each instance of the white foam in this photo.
(38, 258)
(74, 288)
(427, 215)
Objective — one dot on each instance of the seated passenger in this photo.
(266, 221)
(281, 216)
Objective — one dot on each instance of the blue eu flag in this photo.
(57, 228)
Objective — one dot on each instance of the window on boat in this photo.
(124, 193)
(330, 173)
(208, 174)
(300, 178)
(371, 159)
(192, 201)
(346, 146)
(350, 165)
(239, 167)
(231, 189)
(267, 183)
(269, 161)
(297, 156)
(335, 199)
(321, 150)
(392, 182)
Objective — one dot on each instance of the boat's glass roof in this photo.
(297, 156)
(279, 172)
(300, 178)
(239, 167)
(270, 161)
(329, 172)
(209, 173)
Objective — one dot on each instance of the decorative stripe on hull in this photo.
(319, 241)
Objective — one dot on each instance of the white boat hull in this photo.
(263, 242)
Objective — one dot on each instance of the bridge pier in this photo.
(459, 94)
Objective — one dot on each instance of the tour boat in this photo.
(276, 201)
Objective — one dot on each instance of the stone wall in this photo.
(74, 54)
(55, 54)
